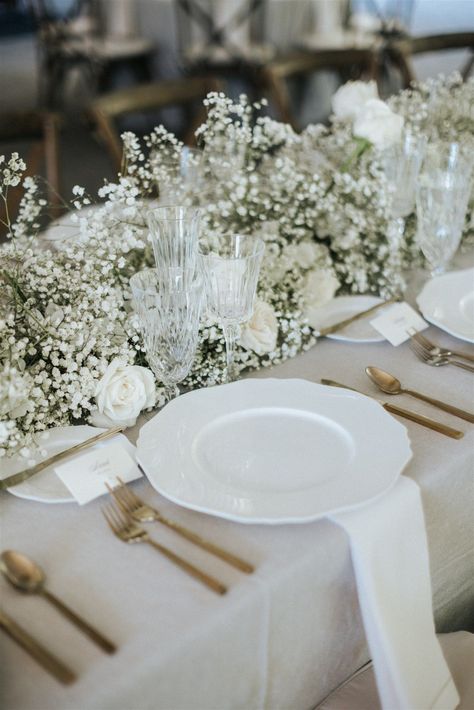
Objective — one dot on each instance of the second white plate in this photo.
(447, 301)
(272, 451)
(343, 307)
(46, 486)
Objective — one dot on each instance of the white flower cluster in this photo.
(70, 349)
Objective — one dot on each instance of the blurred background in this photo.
(75, 73)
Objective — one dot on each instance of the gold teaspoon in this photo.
(27, 576)
(390, 385)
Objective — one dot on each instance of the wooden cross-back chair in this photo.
(78, 41)
(147, 98)
(232, 48)
(38, 131)
(402, 51)
(349, 63)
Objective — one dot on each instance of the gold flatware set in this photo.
(406, 413)
(140, 512)
(36, 650)
(125, 518)
(27, 577)
(436, 356)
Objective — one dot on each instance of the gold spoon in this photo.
(27, 576)
(390, 385)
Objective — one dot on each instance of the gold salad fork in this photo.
(436, 360)
(434, 349)
(140, 512)
(126, 530)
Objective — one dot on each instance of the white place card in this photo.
(398, 322)
(85, 476)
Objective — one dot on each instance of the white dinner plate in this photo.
(343, 307)
(46, 486)
(272, 451)
(447, 301)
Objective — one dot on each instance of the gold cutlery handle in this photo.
(206, 545)
(463, 356)
(464, 365)
(406, 414)
(81, 624)
(24, 475)
(46, 659)
(424, 421)
(347, 321)
(442, 405)
(206, 579)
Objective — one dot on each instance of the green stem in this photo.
(361, 146)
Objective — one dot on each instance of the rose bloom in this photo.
(122, 393)
(320, 286)
(261, 331)
(351, 97)
(377, 123)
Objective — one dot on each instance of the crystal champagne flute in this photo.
(442, 197)
(230, 269)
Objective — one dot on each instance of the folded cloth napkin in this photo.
(390, 558)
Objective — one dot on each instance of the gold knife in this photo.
(347, 321)
(406, 413)
(21, 476)
(46, 659)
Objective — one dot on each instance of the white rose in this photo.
(320, 286)
(351, 97)
(261, 331)
(122, 393)
(15, 388)
(378, 124)
(304, 253)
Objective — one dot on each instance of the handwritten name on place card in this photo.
(85, 476)
(396, 323)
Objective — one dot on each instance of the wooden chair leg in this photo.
(51, 155)
(403, 63)
(468, 67)
(279, 96)
(108, 135)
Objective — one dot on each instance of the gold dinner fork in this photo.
(126, 530)
(436, 360)
(434, 349)
(140, 512)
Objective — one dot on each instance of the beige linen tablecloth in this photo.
(281, 638)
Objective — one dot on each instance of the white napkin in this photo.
(391, 565)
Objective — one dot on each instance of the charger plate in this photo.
(272, 451)
(447, 301)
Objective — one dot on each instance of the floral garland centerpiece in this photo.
(70, 349)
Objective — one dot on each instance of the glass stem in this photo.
(231, 333)
(399, 231)
(171, 391)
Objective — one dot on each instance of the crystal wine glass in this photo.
(168, 314)
(442, 197)
(182, 174)
(230, 269)
(174, 234)
(402, 163)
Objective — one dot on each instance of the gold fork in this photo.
(140, 512)
(126, 530)
(437, 349)
(436, 360)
